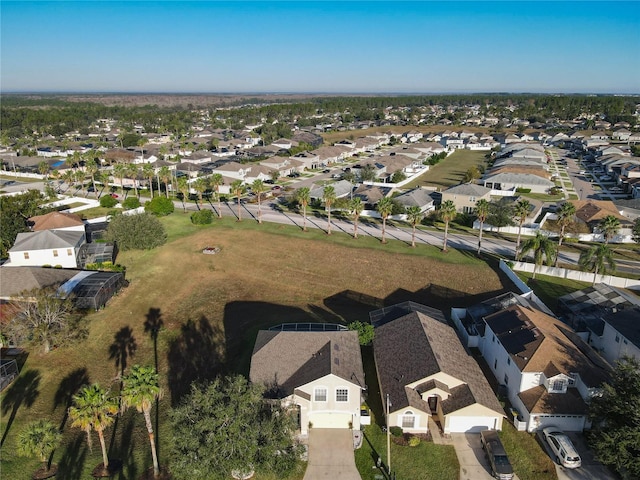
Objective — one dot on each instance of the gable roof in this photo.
(15, 280)
(53, 220)
(468, 189)
(284, 360)
(47, 239)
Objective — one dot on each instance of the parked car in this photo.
(561, 446)
(498, 460)
(114, 195)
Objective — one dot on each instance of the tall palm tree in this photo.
(542, 247)
(304, 198)
(93, 409)
(598, 259)
(140, 389)
(164, 174)
(132, 173)
(69, 178)
(258, 187)
(39, 439)
(414, 215)
(215, 181)
(356, 206)
(329, 196)
(384, 208)
(520, 212)
(565, 216)
(609, 226)
(200, 186)
(43, 169)
(183, 188)
(447, 213)
(238, 189)
(481, 211)
(91, 168)
(120, 171)
(148, 172)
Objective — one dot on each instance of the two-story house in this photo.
(62, 248)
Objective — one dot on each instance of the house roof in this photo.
(416, 346)
(521, 178)
(418, 197)
(14, 280)
(53, 220)
(47, 239)
(284, 360)
(468, 189)
(594, 210)
(539, 400)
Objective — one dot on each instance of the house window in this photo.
(558, 385)
(617, 338)
(408, 419)
(320, 394)
(342, 394)
(572, 379)
(495, 364)
(55, 253)
(26, 255)
(69, 252)
(508, 360)
(506, 379)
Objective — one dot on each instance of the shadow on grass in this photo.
(125, 449)
(24, 391)
(71, 464)
(123, 347)
(68, 387)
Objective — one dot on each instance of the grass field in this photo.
(211, 308)
(451, 170)
(549, 289)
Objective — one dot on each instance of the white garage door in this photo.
(471, 424)
(569, 423)
(330, 420)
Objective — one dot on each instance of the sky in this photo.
(320, 47)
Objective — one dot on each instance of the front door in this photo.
(433, 404)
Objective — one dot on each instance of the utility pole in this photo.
(388, 439)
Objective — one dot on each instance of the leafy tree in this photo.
(356, 206)
(384, 208)
(597, 259)
(136, 232)
(94, 409)
(609, 226)
(471, 174)
(202, 217)
(447, 213)
(398, 177)
(39, 439)
(329, 196)
(216, 180)
(227, 426)
(635, 232)
(302, 194)
(542, 247)
(258, 187)
(130, 203)
(367, 173)
(500, 213)
(148, 172)
(238, 189)
(481, 210)
(414, 215)
(565, 216)
(365, 332)
(15, 211)
(520, 212)
(140, 389)
(615, 436)
(159, 206)
(108, 201)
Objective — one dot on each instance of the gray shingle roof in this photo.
(470, 189)
(14, 280)
(47, 239)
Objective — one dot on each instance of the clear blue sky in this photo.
(335, 47)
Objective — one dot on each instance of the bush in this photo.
(107, 201)
(396, 431)
(130, 203)
(365, 332)
(202, 217)
(136, 232)
(159, 206)
(414, 441)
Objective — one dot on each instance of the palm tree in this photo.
(384, 208)
(258, 187)
(43, 169)
(414, 215)
(69, 178)
(304, 199)
(164, 174)
(132, 173)
(120, 171)
(542, 247)
(215, 181)
(140, 389)
(183, 188)
(39, 439)
(447, 213)
(609, 226)
(93, 409)
(598, 259)
(565, 215)
(328, 195)
(200, 186)
(356, 207)
(148, 172)
(238, 189)
(481, 210)
(520, 212)
(91, 168)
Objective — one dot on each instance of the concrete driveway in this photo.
(473, 461)
(331, 455)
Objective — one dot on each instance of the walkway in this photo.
(331, 455)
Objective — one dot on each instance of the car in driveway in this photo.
(498, 460)
(561, 446)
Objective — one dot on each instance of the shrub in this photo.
(136, 232)
(159, 206)
(365, 332)
(130, 203)
(107, 201)
(395, 431)
(202, 217)
(414, 441)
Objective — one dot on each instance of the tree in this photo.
(258, 187)
(597, 259)
(635, 232)
(414, 216)
(520, 212)
(148, 172)
(120, 171)
(183, 188)
(215, 181)
(200, 186)
(227, 426)
(140, 389)
(94, 409)
(500, 213)
(384, 208)
(447, 213)
(159, 206)
(609, 226)
(237, 189)
(367, 173)
(471, 174)
(542, 247)
(136, 232)
(303, 197)
(329, 196)
(565, 216)
(15, 211)
(365, 332)
(164, 174)
(91, 168)
(481, 210)
(615, 413)
(39, 439)
(356, 206)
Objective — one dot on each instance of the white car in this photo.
(561, 446)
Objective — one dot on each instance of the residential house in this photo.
(310, 160)
(514, 181)
(620, 334)
(48, 247)
(234, 170)
(591, 212)
(466, 195)
(427, 377)
(317, 372)
(56, 221)
(417, 197)
(342, 188)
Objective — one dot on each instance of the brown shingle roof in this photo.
(538, 400)
(55, 220)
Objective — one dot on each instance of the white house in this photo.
(48, 247)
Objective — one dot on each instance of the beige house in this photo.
(466, 195)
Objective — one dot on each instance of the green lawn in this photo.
(529, 460)
(548, 289)
(451, 170)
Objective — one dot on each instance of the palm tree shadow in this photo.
(69, 386)
(24, 391)
(152, 325)
(71, 464)
(123, 347)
